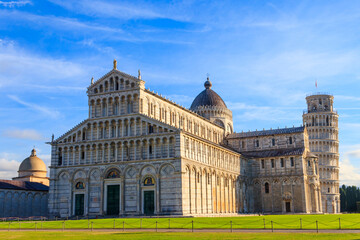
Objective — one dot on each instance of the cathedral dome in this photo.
(207, 97)
(32, 164)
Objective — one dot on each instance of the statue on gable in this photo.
(115, 64)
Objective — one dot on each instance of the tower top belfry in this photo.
(320, 102)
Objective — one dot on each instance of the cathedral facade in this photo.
(139, 153)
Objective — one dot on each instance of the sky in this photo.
(263, 58)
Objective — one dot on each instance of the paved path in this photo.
(197, 230)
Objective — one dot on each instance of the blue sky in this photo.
(263, 58)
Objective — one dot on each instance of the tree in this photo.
(349, 195)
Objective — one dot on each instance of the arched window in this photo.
(127, 152)
(151, 129)
(60, 158)
(292, 163)
(150, 149)
(115, 108)
(219, 122)
(129, 106)
(267, 188)
(104, 109)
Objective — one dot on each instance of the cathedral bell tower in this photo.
(321, 121)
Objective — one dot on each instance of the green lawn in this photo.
(157, 236)
(347, 221)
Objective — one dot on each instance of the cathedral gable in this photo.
(114, 80)
(69, 135)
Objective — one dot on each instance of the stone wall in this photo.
(18, 203)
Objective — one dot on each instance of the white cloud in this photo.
(354, 153)
(8, 168)
(347, 98)
(30, 134)
(89, 29)
(59, 23)
(19, 66)
(297, 65)
(350, 165)
(349, 175)
(12, 4)
(47, 111)
(243, 106)
(120, 10)
(55, 88)
(246, 112)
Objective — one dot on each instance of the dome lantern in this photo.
(208, 84)
(33, 153)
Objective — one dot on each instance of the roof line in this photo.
(183, 108)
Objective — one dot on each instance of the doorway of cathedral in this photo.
(113, 200)
(149, 202)
(79, 204)
(288, 207)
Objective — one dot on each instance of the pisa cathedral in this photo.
(139, 153)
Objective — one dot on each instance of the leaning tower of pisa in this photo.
(321, 121)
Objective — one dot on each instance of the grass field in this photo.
(159, 236)
(347, 221)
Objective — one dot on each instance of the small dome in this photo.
(207, 97)
(32, 164)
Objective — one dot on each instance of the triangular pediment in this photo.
(113, 81)
(72, 131)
